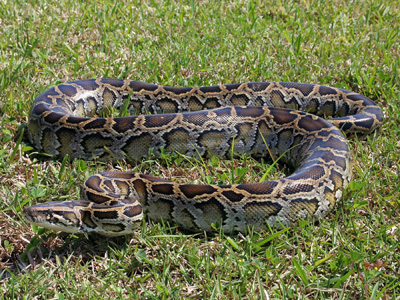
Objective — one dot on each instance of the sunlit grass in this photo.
(352, 254)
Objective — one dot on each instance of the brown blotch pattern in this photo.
(166, 189)
(193, 190)
(132, 211)
(106, 214)
(233, 196)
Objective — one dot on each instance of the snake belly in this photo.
(263, 119)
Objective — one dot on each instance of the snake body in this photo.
(263, 119)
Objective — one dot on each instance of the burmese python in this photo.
(198, 121)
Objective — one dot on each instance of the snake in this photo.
(300, 125)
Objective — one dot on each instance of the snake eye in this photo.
(66, 218)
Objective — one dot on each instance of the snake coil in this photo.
(263, 119)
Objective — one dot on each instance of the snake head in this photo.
(85, 216)
(60, 216)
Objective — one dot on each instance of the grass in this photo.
(352, 254)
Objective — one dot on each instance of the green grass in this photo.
(352, 254)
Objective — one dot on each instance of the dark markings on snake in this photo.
(87, 84)
(193, 190)
(124, 124)
(95, 123)
(167, 189)
(114, 82)
(258, 188)
(132, 211)
(68, 90)
(158, 120)
(233, 196)
(106, 214)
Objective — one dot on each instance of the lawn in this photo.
(351, 254)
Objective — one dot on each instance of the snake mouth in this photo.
(28, 214)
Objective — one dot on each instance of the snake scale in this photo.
(272, 119)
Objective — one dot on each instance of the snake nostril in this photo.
(27, 213)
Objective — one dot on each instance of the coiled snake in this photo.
(255, 117)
